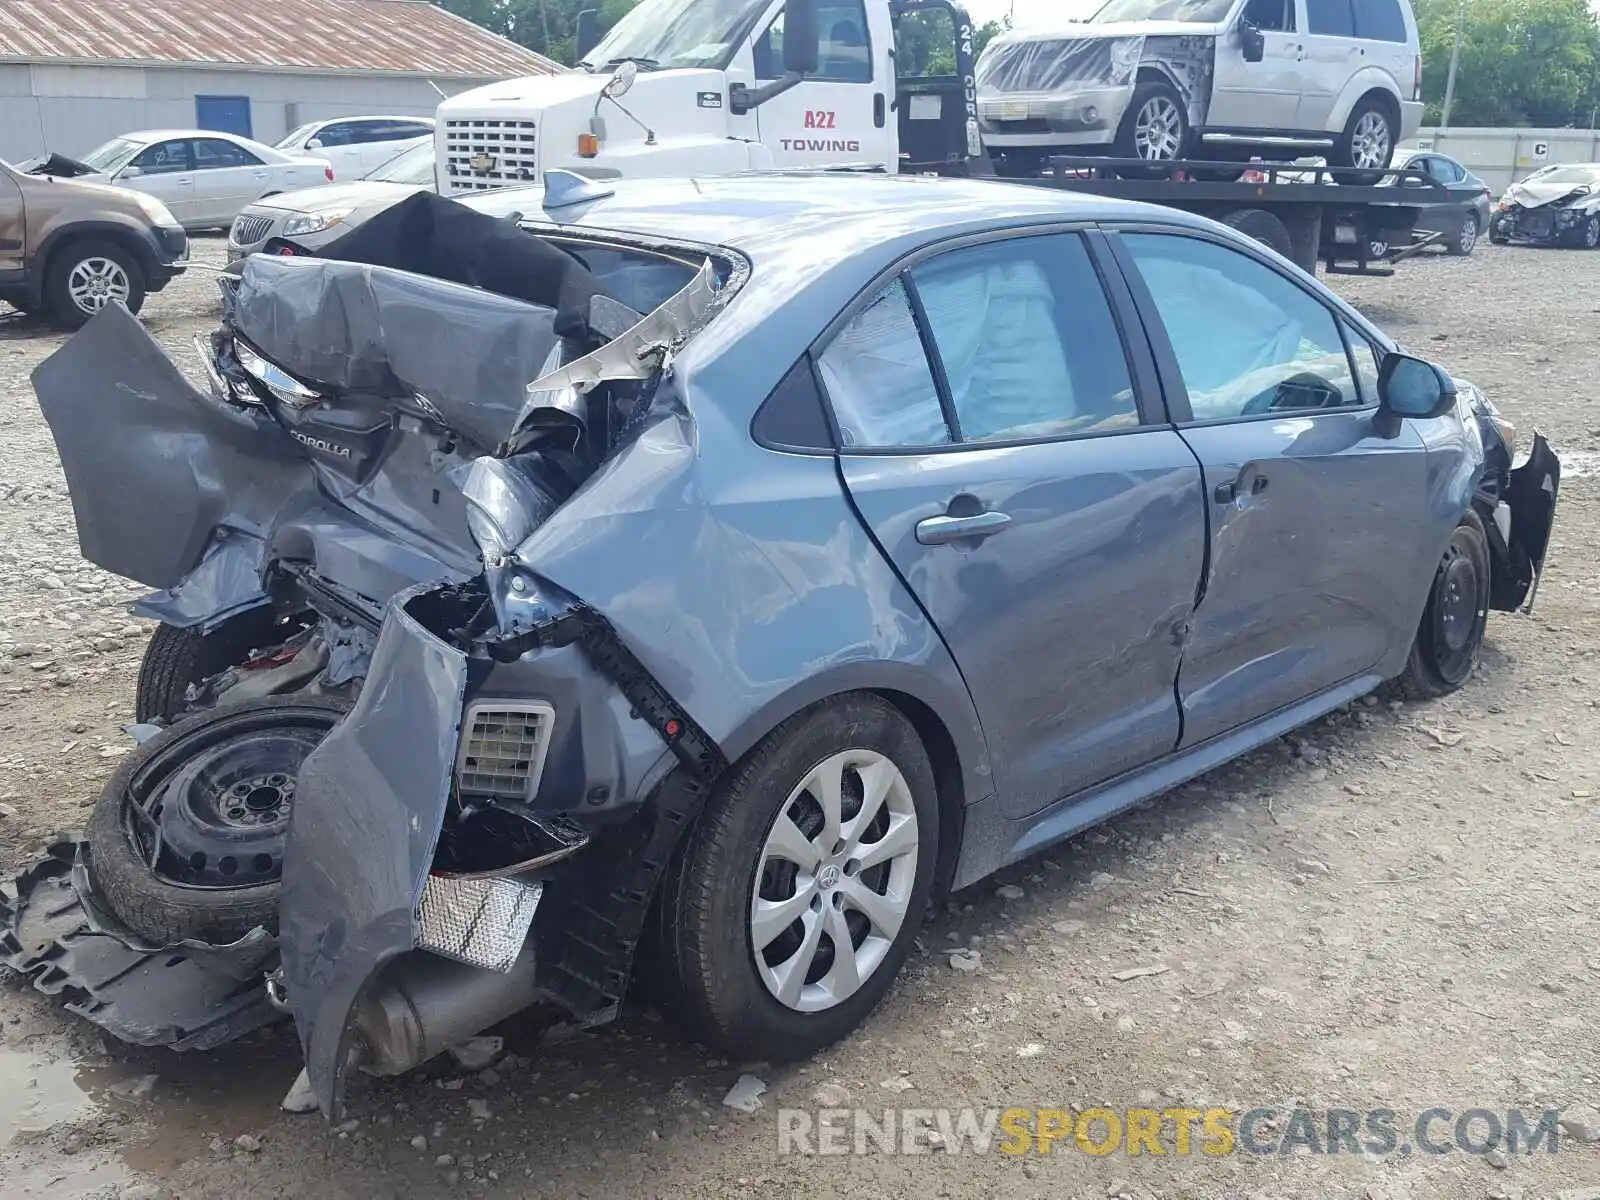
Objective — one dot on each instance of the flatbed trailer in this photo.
(1304, 213)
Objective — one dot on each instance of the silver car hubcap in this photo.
(1157, 129)
(834, 881)
(96, 282)
(1369, 145)
(1591, 233)
(1469, 237)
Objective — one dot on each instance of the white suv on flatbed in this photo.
(1230, 79)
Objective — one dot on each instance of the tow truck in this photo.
(685, 87)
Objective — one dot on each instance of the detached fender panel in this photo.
(368, 811)
(153, 465)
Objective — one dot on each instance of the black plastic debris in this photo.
(187, 996)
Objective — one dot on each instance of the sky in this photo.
(1030, 12)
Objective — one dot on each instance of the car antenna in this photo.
(563, 189)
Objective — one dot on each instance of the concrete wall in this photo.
(1503, 156)
(73, 109)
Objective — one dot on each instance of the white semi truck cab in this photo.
(684, 87)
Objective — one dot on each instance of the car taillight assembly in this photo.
(1416, 79)
(328, 171)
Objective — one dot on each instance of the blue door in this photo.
(225, 114)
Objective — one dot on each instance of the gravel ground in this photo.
(1393, 908)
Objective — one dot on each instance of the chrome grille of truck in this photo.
(502, 754)
(484, 154)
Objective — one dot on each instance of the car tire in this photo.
(193, 767)
(85, 276)
(1264, 227)
(1155, 127)
(1589, 236)
(1450, 634)
(1367, 144)
(740, 999)
(177, 658)
(1498, 239)
(1465, 240)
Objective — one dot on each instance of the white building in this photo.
(74, 73)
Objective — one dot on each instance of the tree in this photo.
(1523, 62)
(925, 42)
(549, 27)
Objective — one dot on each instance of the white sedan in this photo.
(357, 145)
(204, 177)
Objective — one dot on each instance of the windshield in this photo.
(1589, 174)
(409, 166)
(677, 33)
(296, 138)
(1201, 11)
(113, 156)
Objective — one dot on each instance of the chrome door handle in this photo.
(941, 531)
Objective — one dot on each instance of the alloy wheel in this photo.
(1591, 232)
(1158, 129)
(96, 282)
(1467, 238)
(834, 880)
(1370, 144)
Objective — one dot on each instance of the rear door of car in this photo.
(382, 140)
(1332, 56)
(1317, 515)
(227, 177)
(1001, 438)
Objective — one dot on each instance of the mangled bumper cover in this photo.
(187, 996)
(368, 811)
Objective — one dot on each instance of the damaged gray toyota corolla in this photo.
(912, 527)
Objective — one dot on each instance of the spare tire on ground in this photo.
(186, 840)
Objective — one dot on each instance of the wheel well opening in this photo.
(941, 748)
(1390, 105)
(109, 237)
(1153, 75)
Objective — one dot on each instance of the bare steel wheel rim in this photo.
(1157, 129)
(834, 880)
(96, 282)
(1370, 145)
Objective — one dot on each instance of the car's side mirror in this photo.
(1412, 387)
(314, 144)
(802, 48)
(1252, 42)
(130, 172)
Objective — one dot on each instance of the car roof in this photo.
(823, 218)
(162, 135)
(374, 117)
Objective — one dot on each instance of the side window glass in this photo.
(1026, 340)
(1368, 361)
(1379, 20)
(211, 153)
(1275, 15)
(340, 133)
(164, 158)
(844, 54)
(1447, 171)
(1331, 17)
(1248, 341)
(877, 375)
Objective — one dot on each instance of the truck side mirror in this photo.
(1251, 42)
(801, 41)
(588, 31)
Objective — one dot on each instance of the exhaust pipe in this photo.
(423, 1004)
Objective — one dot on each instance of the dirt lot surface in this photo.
(1393, 909)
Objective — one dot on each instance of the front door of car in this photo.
(227, 177)
(1259, 95)
(338, 144)
(999, 450)
(166, 171)
(840, 114)
(1309, 500)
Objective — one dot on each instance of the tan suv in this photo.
(68, 249)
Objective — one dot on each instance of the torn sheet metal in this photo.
(368, 809)
(188, 996)
(154, 465)
(358, 328)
